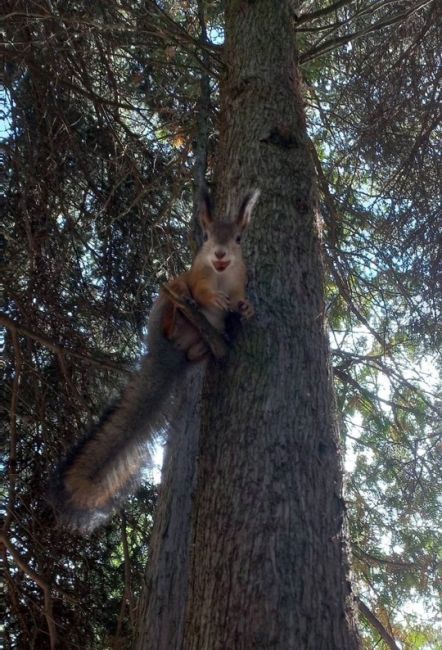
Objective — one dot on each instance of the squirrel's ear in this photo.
(246, 209)
(204, 209)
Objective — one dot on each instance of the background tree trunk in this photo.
(269, 565)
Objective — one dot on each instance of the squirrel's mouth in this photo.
(221, 265)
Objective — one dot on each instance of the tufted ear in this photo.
(204, 209)
(246, 209)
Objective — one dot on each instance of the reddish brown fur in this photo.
(104, 467)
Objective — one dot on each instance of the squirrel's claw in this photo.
(220, 300)
(246, 309)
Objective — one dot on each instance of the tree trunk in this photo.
(163, 602)
(269, 565)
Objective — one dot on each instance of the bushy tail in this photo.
(105, 467)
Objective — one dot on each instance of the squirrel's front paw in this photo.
(246, 309)
(220, 300)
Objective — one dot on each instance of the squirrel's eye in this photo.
(205, 237)
(238, 239)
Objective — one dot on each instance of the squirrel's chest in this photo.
(227, 282)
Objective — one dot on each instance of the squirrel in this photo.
(105, 466)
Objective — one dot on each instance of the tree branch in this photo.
(211, 336)
(373, 560)
(202, 116)
(319, 13)
(41, 582)
(376, 623)
(57, 348)
(333, 43)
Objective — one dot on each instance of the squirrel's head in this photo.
(222, 239)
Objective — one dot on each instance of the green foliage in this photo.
(380, 204)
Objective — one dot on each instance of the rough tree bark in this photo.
(163, 604)
(267, 565)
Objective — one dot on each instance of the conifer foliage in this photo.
(110, 115)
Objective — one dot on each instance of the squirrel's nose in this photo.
(220, 254)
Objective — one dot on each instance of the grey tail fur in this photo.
(105, 467)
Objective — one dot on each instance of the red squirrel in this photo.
(216, 281)
(105, 466)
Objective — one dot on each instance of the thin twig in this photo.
(211, 336)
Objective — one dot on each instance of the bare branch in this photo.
(333, 43)
(375, 622)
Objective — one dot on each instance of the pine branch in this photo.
(320, 13)
(334, 43)
(372, 560)
(376, 623)
(59, 349)
(41, 582)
